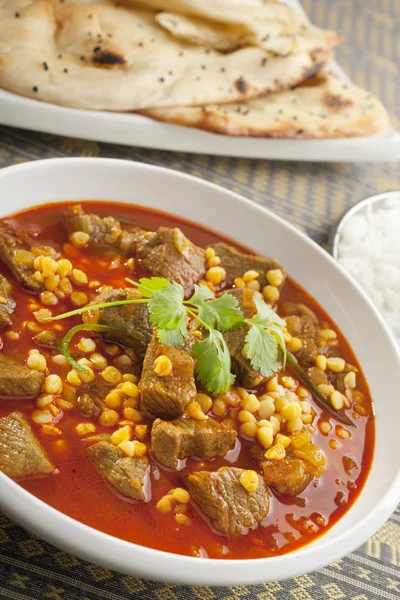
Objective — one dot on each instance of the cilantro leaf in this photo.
(149, 285)
(221, 313)
(166, 307)
(265, 315)
(213, 367)
(173, 337)
(278, 334)
(261, 349)
(201, 293)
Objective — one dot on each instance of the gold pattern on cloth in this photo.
(312, 197)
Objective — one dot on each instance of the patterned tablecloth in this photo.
(311, 196)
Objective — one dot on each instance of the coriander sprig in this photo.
(168, 311)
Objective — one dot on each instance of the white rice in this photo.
(369, 250)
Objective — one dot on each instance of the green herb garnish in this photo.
(67, 339)
(213, 367)
(168, 311)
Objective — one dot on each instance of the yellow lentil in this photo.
(277, 452)
(240, 282)
(245, 416)
(275, 277)
(12, 335)
(79, 239)
(37, 362)
(111, 375)
(249, 429)
(42, 416)
(194, 411)
(53, 384)
(85, 428)
(350, 380)
(86, 345)
(181, 495)
(282, 440)
(205, 401)
(321, 362)
(265, 436)
(113, 400)
(267, 407)
(121, 435)
(249, 480)
(250, 275)
(79, 277)
(219, 407)
(294, 425)
(133, 415)
(163, 366)
(216, 275)
(294, 344)
(108, 417)
(141, 431)
(251, 403)
(181, 519)
(164, 505)
(337, 400)
(335, 364)
(271, 294)
(44, 400)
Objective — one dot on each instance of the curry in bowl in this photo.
(164, 385)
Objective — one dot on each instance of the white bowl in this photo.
(74, 179)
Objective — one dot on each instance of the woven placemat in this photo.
(311, 196)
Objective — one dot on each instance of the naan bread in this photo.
(325, 107)
(106, 57)
(225, 11)
(272, 35)
(229, 24)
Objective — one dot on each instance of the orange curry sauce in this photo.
(79, 492)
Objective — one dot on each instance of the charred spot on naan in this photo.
(241, 85)
(107, 58)
(334, 101)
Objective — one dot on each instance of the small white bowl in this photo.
(30, 184)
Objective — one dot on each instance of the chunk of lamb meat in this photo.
(292, 474)
(229, 505)
(174, 440)
(168, 253)
(15, 253)
(46, 339)
(235, 340)
(103, 231)
(303, 323)
(128, 476)
(7, 302)
(236, 264)
(166, 397)
(21, 455)
(17, 380)
(132, 320)
(87, 406)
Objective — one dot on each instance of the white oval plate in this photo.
(137, 130)
(53, 180)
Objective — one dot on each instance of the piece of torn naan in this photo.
(102, 56)
(326, 106)
(276, 31)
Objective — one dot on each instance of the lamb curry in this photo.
(166, 386)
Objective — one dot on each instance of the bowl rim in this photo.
(88, 543)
